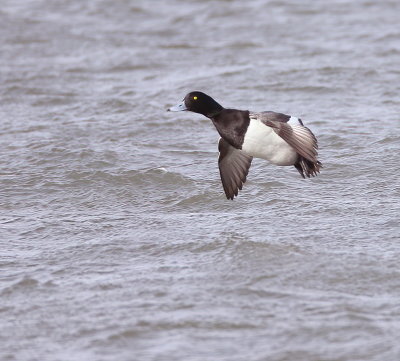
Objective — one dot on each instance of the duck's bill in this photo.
(178, 108)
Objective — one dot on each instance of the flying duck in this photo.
(279, 138)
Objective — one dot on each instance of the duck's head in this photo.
(198, 102)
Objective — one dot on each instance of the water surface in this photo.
(117, 242)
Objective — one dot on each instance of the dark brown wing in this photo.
(297, 136)
(270, 116)
(233, 168)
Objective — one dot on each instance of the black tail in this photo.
(307, 168)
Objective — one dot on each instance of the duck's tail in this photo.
(307, 168)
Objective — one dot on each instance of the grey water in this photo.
(116, 239)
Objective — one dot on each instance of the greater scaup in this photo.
(279, 138)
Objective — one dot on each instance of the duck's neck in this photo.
(215, 112)
(213, 108)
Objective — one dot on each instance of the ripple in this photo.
(25, 284)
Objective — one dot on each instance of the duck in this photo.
(281, 139)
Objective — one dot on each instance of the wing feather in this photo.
(233, 168)
(297, 136)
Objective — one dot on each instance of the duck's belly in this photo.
(261, 141)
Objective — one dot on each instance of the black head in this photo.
(199, 102)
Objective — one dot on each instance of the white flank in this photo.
(261, 141)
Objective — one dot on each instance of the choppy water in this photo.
(117, 242)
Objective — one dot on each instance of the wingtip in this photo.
(229, 196)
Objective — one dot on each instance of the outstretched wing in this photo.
(233, 168)
(297, 136)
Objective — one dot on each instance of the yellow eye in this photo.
(195, 98)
